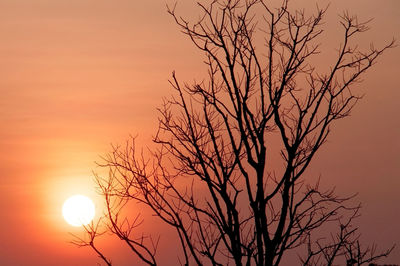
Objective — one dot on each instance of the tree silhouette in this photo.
(212, 178)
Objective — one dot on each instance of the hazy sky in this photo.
(78, 75)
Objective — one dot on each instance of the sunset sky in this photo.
(78, 75)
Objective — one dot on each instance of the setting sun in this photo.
(78, 210)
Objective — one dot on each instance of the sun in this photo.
(78, 210)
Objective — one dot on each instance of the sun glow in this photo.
(78, 210)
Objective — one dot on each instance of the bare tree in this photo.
(212, 179)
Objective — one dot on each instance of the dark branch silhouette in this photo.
(92, 231)
(212, 179)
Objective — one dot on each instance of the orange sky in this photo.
(78, 75)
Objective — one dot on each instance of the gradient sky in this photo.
(78, 75)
